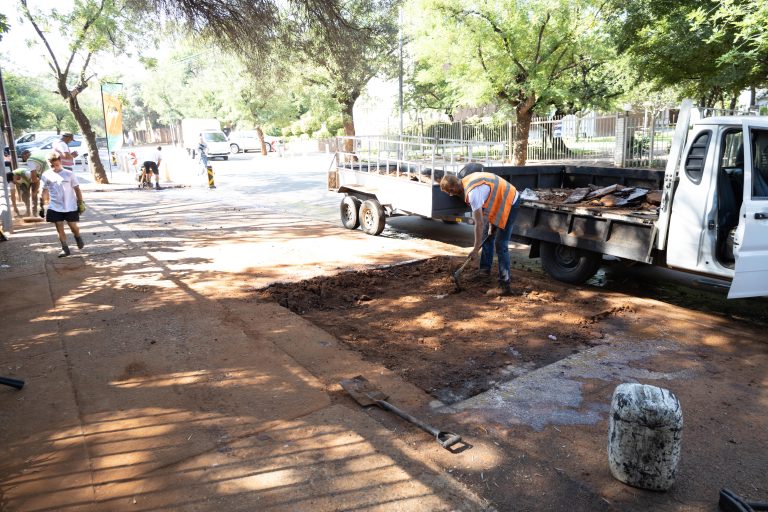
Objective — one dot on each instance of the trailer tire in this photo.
(350, 212)
(569, 264)
(372, 218)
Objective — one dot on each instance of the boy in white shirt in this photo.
(65, 201)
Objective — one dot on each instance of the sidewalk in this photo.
(151, 384)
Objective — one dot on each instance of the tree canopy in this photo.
(710, 50)
(520, 55)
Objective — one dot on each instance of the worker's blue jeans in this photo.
(501, 243)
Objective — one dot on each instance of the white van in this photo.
(218, 146)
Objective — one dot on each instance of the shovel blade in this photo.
(362, 390)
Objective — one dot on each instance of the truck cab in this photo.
(718, 208)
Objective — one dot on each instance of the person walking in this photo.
(157, 159)
(65, 202)
(494, 203)
(202, 148)
(61, 148)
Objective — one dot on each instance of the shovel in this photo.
(456, 274)
(367, 394)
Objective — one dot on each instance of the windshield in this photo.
(215, 137)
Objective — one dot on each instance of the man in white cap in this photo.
(61, 148)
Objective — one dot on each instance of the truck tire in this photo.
(350, 212)
(569, 264)
(234, 148)
(372, 217)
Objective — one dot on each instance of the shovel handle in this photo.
(444, 439)
(469, 258)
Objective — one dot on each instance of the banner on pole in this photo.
(113, 114)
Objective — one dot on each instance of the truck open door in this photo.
(751, 271)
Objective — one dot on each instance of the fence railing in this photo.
(641, 139)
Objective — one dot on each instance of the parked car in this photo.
(76, 144)
(29, 138)
(34, 136)
(248, 140)
(36, 144)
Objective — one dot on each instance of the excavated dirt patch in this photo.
(451, 344)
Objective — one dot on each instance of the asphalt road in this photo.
(297, 184)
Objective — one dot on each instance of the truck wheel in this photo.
(569, 264)
(234, 149)
(350, 211)
(372, 217)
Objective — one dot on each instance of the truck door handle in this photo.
(761, 216)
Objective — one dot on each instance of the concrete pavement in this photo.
(151, 384)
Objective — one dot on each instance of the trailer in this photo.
(383, 178)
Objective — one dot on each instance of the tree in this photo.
(520, 55)
(90, 26)
(428, 88)
(343, 67)
(711, 52)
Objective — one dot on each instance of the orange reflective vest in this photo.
(499, 202)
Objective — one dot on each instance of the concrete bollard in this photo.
(644, 436)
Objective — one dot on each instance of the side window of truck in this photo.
(760, 164)
(697, 157)
(732, 157)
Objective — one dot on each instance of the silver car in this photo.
(248, 140)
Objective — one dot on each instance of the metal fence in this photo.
(627, 139)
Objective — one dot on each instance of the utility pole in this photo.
(7, 220)
(7, 125)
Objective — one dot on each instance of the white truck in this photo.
(712, 220)
(210, 131)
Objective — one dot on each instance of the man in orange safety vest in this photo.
(494, 203)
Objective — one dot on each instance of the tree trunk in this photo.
(93, 152)
(349, 130)
(349, 126)
(523, 115)
(260, 133)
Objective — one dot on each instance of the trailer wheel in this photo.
(372, 217)
(569, 264)
(350, 212)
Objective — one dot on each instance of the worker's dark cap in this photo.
(67, 134)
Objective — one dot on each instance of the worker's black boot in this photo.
(64, 250)
(504, 290)
(80, 243)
